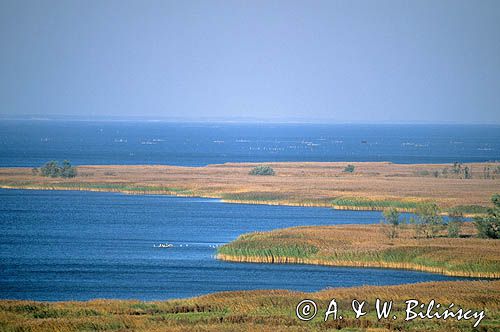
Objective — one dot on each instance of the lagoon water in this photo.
(63, 245)
(32, 143)
(70, 245)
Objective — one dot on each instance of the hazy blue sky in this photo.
(335, 61)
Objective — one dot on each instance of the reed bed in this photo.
(271, 198)
(367, 246)
(256, 245)
(352, 203)
(102, 187)
(255, 196)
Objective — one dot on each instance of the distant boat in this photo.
(364, 142)
(163, 245)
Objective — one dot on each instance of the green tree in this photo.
(391, 223)
(445, 172)
(428, 219)
(467, 173)
(489, 226)
(67, 171)
(496, 171)
(51, 169)
(486, 172)
(262, 170)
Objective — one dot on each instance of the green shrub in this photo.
(262, 170)
(456, 218)
(349, 168)
(469, 209)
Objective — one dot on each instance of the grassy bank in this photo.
(257, 311)
(368, 246)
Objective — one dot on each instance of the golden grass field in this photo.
(266, 310)
(297, 183)
(368, 246)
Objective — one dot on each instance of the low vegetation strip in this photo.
(368, 246)
(370, 185)
(270, 198)
(102, 187)
(258, 311)
(374, 204)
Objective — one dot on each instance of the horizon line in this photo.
(222, 120)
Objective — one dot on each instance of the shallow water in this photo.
(70, 245)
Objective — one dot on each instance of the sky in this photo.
(421, 61)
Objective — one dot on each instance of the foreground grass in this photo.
(368, 246)
(257, 311)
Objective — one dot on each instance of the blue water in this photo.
(32, 143)
(70, 245)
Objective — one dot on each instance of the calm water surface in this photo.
(32, 143)
(69, 245)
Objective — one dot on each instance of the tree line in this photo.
(428, 222)
(461, 171)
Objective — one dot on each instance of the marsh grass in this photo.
(266, 310)
(374, 186)
(272, 198)
(255, 196)
(107, 187)
(469, 209)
